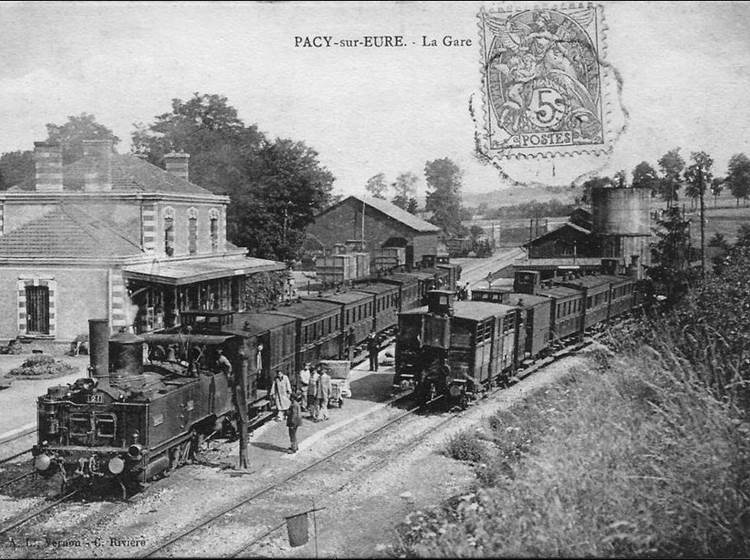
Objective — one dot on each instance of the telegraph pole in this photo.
(703, 225)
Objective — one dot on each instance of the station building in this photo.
(113, 236)
(379, 223)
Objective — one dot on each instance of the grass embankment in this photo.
(629, 456)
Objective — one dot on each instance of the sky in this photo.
(685, 79)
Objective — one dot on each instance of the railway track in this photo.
(12, 443)
(169, 547)
(35, 512)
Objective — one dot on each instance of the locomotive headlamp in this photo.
(135, 451)
(42, 462)
(116, 465)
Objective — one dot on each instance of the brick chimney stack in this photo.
(98, 157)
(48, 164)
(177, 163)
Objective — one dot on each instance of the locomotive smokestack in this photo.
(99, 348)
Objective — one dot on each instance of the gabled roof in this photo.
(67, 231)
(130, 174)
(390, 210)
(557, 231)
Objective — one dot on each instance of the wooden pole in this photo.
(701, 186)
(240, 388)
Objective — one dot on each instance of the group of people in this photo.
(309, 392)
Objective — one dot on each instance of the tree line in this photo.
(276, 185)
(695, 177)
(444, 180)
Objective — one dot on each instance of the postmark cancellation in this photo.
(545, 86)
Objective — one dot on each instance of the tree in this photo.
(405, 187)
(698, 175)
(619, 179)
(717, 185)
(671, 165)
(594, 183)
(670, 255)
(72, 134)
(15, 168)
(645, 177)
(18, 167)
(377, 186)
(743, 236)
(443, 179)
(738, 177)
(412, 206)
(276, 187)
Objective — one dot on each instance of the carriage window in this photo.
(443, 300)
(105, 425)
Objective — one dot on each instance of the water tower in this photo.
(622, 226)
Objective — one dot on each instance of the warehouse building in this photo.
(379, 223)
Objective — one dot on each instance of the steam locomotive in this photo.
(151, 399)
(461, 349)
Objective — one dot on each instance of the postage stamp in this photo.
(544, 83)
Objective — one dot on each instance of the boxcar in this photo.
(566, 313)
(409, 289)
(596, 294)
(356, 314)
(475, 340)
(278, 334)
(385, 303)
(318, 329)
(535, 317)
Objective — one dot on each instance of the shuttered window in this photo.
(193, 236)
(37, 309)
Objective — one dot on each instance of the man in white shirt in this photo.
(304, 384)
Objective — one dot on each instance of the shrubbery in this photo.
(41, 365)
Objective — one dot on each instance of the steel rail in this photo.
(209, 519)
(34, 513)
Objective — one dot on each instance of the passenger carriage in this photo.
(356, 314)
(386, 304)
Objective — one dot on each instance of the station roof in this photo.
(68, 231)
(177, 273)
(130, 174)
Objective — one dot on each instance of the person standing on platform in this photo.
(312, 395)
(281, 391)
(324, 393)
(294, 421)
(372, 349)
(304, 384)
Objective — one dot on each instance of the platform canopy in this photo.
(180, 273)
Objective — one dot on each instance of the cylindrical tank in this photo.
(126, 355)
(621, 211)
(99, 348)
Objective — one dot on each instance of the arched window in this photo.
(192, 231)
(168, 215)
(213, 215)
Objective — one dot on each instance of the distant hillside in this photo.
(518, 195)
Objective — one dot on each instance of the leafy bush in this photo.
(466, 446)
(42, 365)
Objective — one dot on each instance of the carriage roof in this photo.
(307, 309)
(351, 296)
(258, 323)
